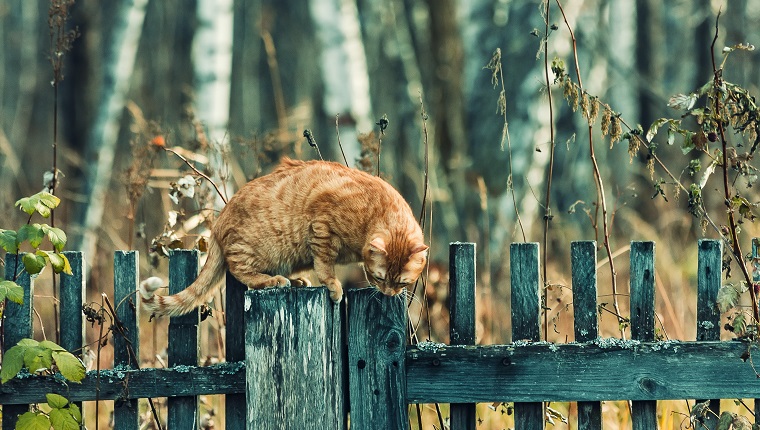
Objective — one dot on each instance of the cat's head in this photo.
(392, 265)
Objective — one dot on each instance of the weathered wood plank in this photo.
(131, 384)
(126, 339)
(376, 346)
(526, 318)
(756, 278)
(293, 359)
(709, 270)
(234, 345)
(183, 337)
(18, 324)
(71, 299)
(605, 369)
(643, 413)
(583, 268)
(462, 321)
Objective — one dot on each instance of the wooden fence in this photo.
(305, 363)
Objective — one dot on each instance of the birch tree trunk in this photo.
(212, 60)
(101, 145)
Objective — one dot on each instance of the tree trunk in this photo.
(101, 145)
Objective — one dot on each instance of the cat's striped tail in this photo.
(198, 293)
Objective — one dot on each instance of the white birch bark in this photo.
(103, 138)
(344, 68)
(212, 60)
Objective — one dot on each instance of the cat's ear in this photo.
(378, 245)
(420, 247)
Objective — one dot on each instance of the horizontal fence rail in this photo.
(282, 343)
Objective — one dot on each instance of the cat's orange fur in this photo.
(305, 215)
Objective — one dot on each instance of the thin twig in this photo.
(547, 203)
(337, 132)
(199, 173)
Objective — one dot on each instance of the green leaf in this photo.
(8, 241)
(728, 297)
(42, 203)
(32, 233)
(33, 263)
(11, 291)
(75, 412)
(654, 128)
(38, 358)
(62, 419)
(56, 235)
(59, 262)
(27, 343)
(56, 400)
(49, 344)
(69, 365)
(33, 421)
(688, 143)
(13, 362)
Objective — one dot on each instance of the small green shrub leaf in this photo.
(33, 421)
(59, 262)
(69, 365)
(42, 203)
(33, 263)
(57, 237)
(8, 241)
(56, 400)
(75, 412)
(32, 233)
(11, 291)
(13, 361)
(62, 419)
(49, 344)
(37, 358)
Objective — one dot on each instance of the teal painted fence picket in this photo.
(289, 348)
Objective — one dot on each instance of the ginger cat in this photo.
(303, 215)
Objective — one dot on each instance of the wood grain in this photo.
(293, 359)
(583, 268)
(376, 346)
(183, 334)
(462, 322)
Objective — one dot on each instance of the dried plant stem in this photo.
(547, 203)
(199, 173)
(735, 245)
(599, 182)
(337, 133)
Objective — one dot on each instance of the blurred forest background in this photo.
(232, 84)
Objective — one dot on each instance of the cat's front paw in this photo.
(336, 290)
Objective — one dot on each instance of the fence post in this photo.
(376, 360)
(126, 345)
(72, 298)
(709, 270)
(18, 324)
(583, 267)
(526, 319)
(183, 337)
(644, 413)
(294, 360)
(234, 348)
(462, 323)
